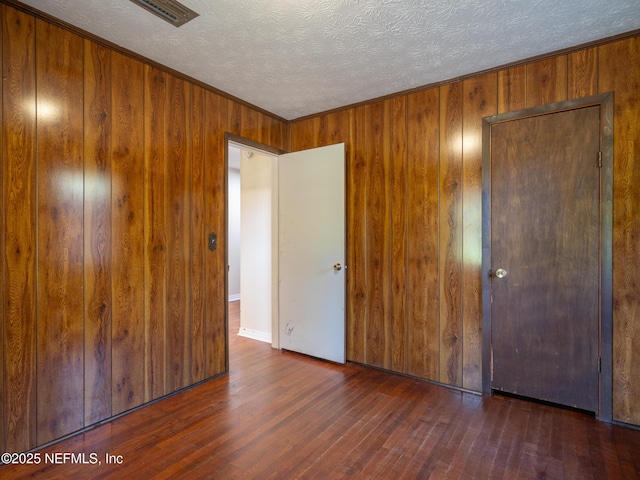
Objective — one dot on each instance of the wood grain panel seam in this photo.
(463, 277)
(439, 229)
(388, 340)
(406, 226)
(2, 257)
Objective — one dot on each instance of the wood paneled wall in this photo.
(414, 213)
(113, 175)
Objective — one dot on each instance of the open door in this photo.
(311, 252)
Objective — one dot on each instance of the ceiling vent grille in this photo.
(170, 10)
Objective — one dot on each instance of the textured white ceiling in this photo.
(299, 57)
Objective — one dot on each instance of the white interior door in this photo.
(311, 252)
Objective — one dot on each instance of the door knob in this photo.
(501, 273)
(337, 266)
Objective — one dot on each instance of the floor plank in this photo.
(280, 415)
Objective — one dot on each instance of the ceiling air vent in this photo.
(173, 12)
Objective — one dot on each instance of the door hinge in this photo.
(599, 364)
(599, 159)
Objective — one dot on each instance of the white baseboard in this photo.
(255, 334)
(233, 298)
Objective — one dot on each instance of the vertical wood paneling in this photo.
(337, 127)
(2, 238)
(450, 254)
(512, 89)
(97, 232)
(320, 131)
(59, 79)
(278, 134)
(547, 81)
(273, 132)
(234, 116)
(413, 221)
(155, 220)
(604, 69)
(300, 137)
(422, 277)
(262, 133)
(127, 238)
(479, 100)
(19, 255)
(399, 185)
(582, 67)
(378, 234)
(356, 241)
(198, 243)
(124, 158)
(328, 129)
(178, 209)
(249, 123)
(215, 331)
(615, 75)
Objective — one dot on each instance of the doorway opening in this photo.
(292, 247)
(251, 237)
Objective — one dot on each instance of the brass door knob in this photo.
(501, 273)
(337, 266)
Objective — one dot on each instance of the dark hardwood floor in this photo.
(285, 416)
